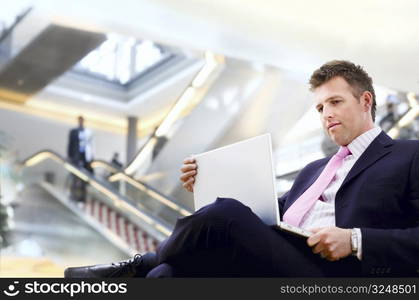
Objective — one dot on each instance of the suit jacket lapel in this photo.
(375, 151)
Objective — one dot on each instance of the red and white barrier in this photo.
(131, 234)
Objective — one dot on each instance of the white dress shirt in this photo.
(322, 214)
(85, 143)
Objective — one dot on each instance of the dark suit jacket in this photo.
(380, 195)
(73, 151)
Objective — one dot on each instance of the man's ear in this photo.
(366, 100)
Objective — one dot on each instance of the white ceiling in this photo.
(296, 35)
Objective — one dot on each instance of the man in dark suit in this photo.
(365, 219)
(79, 149)
(80, 153)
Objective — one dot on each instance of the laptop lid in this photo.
(243, 171)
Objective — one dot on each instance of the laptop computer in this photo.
(243, 171)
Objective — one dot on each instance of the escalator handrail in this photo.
(157, 224)
(111, 167)
(158, 196)
(166, 200)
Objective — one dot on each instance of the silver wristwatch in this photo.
(354, 242)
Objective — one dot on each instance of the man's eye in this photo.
(335, 101)
(320, 109)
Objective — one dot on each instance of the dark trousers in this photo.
(78, 186)
(226, 239)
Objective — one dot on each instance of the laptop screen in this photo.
(242, 171)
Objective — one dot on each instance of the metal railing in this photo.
(136, 212)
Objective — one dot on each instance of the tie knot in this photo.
(343, 152)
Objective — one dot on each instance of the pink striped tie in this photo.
(302, 205)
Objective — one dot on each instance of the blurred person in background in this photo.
(115, 161)
(390, 118)
(80, 153)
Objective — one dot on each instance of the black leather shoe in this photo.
(135, 267)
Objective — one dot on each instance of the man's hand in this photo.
(189, 171)
(332, 243)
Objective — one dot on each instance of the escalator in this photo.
(115, 220)
(45, 227)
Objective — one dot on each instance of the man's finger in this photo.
(191, 181)
(330, 257)
(318, 248)
(313, 239)
(189, 160)
(316, 229)
(188, 167)
(187, 175)
(189, 184)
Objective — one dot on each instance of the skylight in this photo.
(121, 59)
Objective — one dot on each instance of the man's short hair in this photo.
(354, 75)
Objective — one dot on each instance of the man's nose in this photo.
(328, 113)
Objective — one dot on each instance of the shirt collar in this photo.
(361, 143)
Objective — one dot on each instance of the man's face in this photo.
(343, 116)
(81, 122)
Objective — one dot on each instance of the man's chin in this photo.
(338, 140)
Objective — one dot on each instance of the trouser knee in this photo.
(213, 220)
(223, 209)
